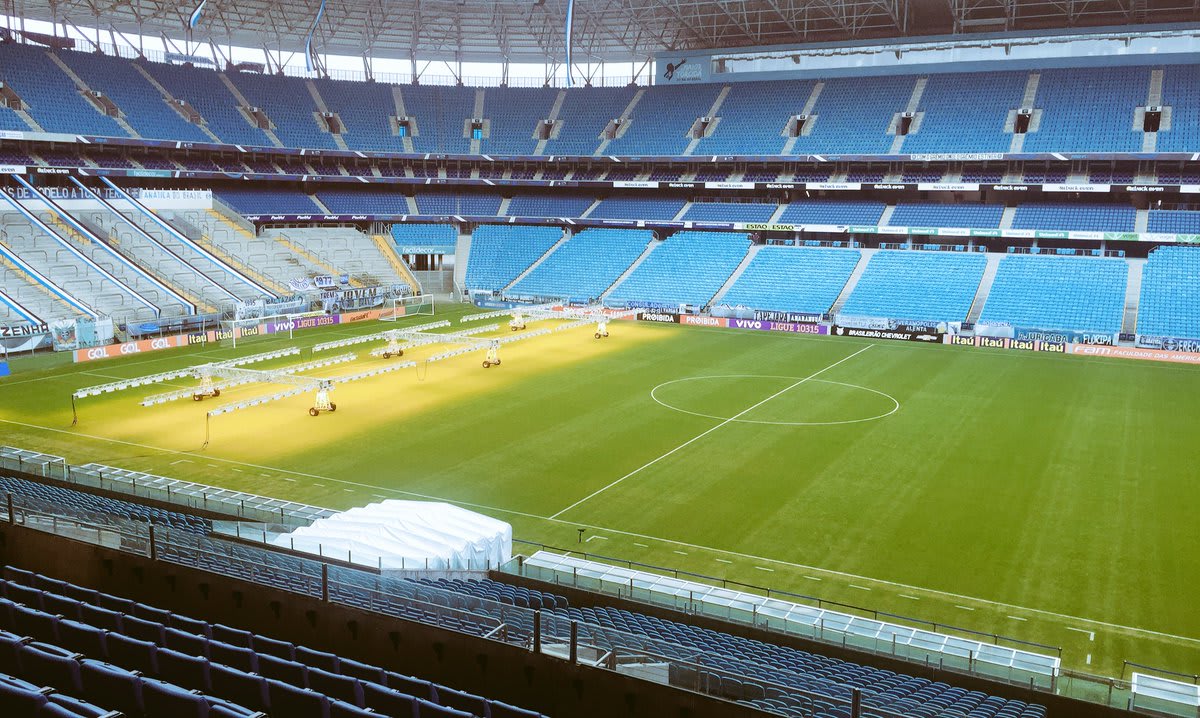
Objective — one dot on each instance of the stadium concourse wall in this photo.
(507, 672)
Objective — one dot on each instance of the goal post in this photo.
(397, 308)
(235, 332)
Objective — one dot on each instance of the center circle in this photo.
(726, 397)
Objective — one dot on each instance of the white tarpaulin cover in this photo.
(395, 535)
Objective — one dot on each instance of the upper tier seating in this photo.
(729, 212)
(688, 268)
(1082, 109)
(365, 200)
(966, 113)
(1089, 110)
(917, 286)
(144, 108)
(499, 253)
(551, 205)
(461, 203)
(853, 114)
(1061, 293)
(662, 118)
(288, 103)
(513, 115)
(52, 98)
(585, 265)
(664, 208)
(832, 211)
(754, 116)
(1170, 298)
(585, 113)
(1178, 221)
(789, 279)
(441, 113)
(1181, 92)
(365, 109)
(1075, 216)
(964, 214)
(266, 200)
(204, 90)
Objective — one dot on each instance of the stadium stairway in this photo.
(737, 273)
(1133, 293)
(562, 240)
(387, 248)
(853, 280)
(985, 286)
(462, 254)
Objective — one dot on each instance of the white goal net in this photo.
(400, 307)
(235, 332)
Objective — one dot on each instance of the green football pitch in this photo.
(1048, 498)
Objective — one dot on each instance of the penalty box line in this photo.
(700, 436)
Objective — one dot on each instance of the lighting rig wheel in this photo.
(400, 352)
(387, 355)
(313, 412)
(597, 335)
(332, 407)
(216, 392)
(196, 397)
(497, 362)
(486, 364)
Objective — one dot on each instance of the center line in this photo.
(700, 436)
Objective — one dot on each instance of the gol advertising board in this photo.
(769, 326)
(129, 348)
(146, 345)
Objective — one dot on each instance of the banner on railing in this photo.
(1060, 336)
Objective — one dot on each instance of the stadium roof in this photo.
(605, 30)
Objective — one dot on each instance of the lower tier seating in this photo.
(1062, 293)
(585, 265)
(148, 662)
(788, 279)
(1170, 299)
(687, 268)
(919, 286)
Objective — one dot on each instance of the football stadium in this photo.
(600, 359)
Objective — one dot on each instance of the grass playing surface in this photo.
(1043, 497)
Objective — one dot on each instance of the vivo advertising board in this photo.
(770, 326)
